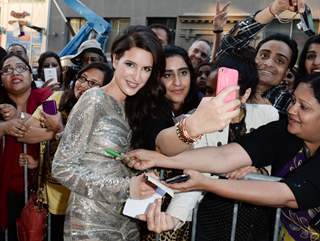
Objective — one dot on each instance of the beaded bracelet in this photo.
(183, 133)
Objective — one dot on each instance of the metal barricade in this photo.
(253, 177)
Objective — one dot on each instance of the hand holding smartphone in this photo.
(49, 107)
(227, 77)
(50, 74)
(177, 179)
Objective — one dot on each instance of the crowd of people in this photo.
(156, 104)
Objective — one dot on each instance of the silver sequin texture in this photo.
(99, 185)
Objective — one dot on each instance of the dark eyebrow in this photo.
(264, 50)
(183, 68)
(311, 52)
(6, 65)
(169, 70)
(283, 56)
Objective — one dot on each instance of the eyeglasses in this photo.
(91, 83)
(20, 68)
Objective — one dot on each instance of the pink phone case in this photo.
(227, 77)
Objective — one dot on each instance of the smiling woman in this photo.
(99, 184)
(309, 60)
(294, 156)
(19, 97)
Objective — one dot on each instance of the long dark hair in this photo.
(145, 102)
(68, 99)
(192, 100)
(41, 60)
(302, 59)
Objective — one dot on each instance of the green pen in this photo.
(114, 154)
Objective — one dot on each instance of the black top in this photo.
(152, 128)
(273, 144)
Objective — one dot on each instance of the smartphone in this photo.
(306, 22)
(49, 107)
(113, 153)
(177, 179)
(227, 77)
(50, 74)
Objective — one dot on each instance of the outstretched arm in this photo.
(211, 115)
(244, 31)
(210, 159)
(273, 194)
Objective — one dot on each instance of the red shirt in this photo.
(11, 174)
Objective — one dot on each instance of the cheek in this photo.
(186, 83)
(76, 88)
(281, 72)
(145, 76)
(307, 65)
(166, 84)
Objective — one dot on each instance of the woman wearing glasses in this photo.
(17, 96)
(50, 127)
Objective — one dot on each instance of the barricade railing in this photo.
(250, 176)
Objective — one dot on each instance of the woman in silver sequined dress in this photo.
(100, 185)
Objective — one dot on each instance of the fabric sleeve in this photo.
(153, 127)
(304, 182)
(182, 205)
(89, 178)
(240, 35)
(264, 144)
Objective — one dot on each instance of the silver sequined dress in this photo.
(99, 185)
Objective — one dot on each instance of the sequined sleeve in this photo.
(73, 164)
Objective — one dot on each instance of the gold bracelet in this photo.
(183, 133)
(186, 133)
(179, 131)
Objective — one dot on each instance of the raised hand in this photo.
(279, 6)
(158, 221)
(213, 113)
(220, 18)
(52, 84)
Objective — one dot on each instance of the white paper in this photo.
(50, 74)
(134, 207)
